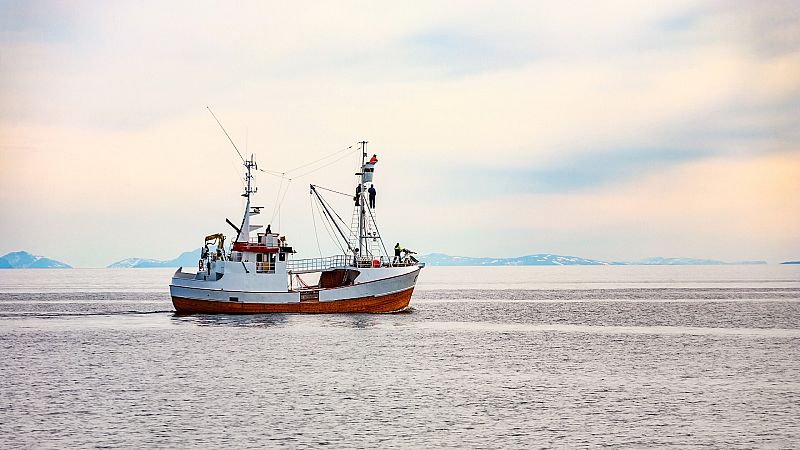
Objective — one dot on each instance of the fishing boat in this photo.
(259, 273)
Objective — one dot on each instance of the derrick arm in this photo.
(217, 239)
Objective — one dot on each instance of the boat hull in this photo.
(387, 303)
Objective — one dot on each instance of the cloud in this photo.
(586, 171)
(470, 106)
(742, 208)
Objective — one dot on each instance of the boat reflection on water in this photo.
(351, 321)
(222, 320)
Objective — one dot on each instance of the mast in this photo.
(244, 230)
(361, 216)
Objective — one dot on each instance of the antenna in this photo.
(226, 134)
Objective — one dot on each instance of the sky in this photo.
(613, 130)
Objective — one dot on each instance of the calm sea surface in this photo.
(489, 357)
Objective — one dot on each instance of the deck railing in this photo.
(317, 264)
(389, 261)
(330, 262)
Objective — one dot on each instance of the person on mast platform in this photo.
(357, 197)
(374, 159)
(372, 193)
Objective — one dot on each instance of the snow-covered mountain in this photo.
(541, 259)
(659, 261)
(546, 259)
(25, 260)
(186, 259)
(131, 263)
(189, 259)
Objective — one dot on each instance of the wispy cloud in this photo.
(469, 104)
(588, 170)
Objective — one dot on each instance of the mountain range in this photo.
(25, 260)
(185, 259)
(542, 259)
(546, 259)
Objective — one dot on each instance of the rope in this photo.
(273, 173)
(340, 217)
(282, 175)
(329, 229)
(278, 205)
(277, 196)
(321, 167)
(318, 160)
(314, 221)
(379, 232)
(331, 190)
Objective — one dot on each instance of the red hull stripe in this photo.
(379, 304)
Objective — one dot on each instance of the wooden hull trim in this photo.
(387, 303)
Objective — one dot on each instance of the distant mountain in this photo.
(791, 262)
(189, 259)
(659, 261)
(25, 260)
(546, 259)
(185, 259)
(542, 259)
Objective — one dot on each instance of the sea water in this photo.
(506, 357)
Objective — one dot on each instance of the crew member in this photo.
(357, 197)
(372, 193)
(397, 250)
(374, 159)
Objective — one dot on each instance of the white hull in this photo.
(370, 283)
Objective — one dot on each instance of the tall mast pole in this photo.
(244, 230)
(361, 217)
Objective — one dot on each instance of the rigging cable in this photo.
(331, 190)
(379, 232)
(321, 167)
(279, 204)
(331, 224)
(337, 215)
(314, 221)
(226, 134)
(329, 228)
(320, 159)
(277, 196)
(276, 209)
(281, 174)
(272, 172)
